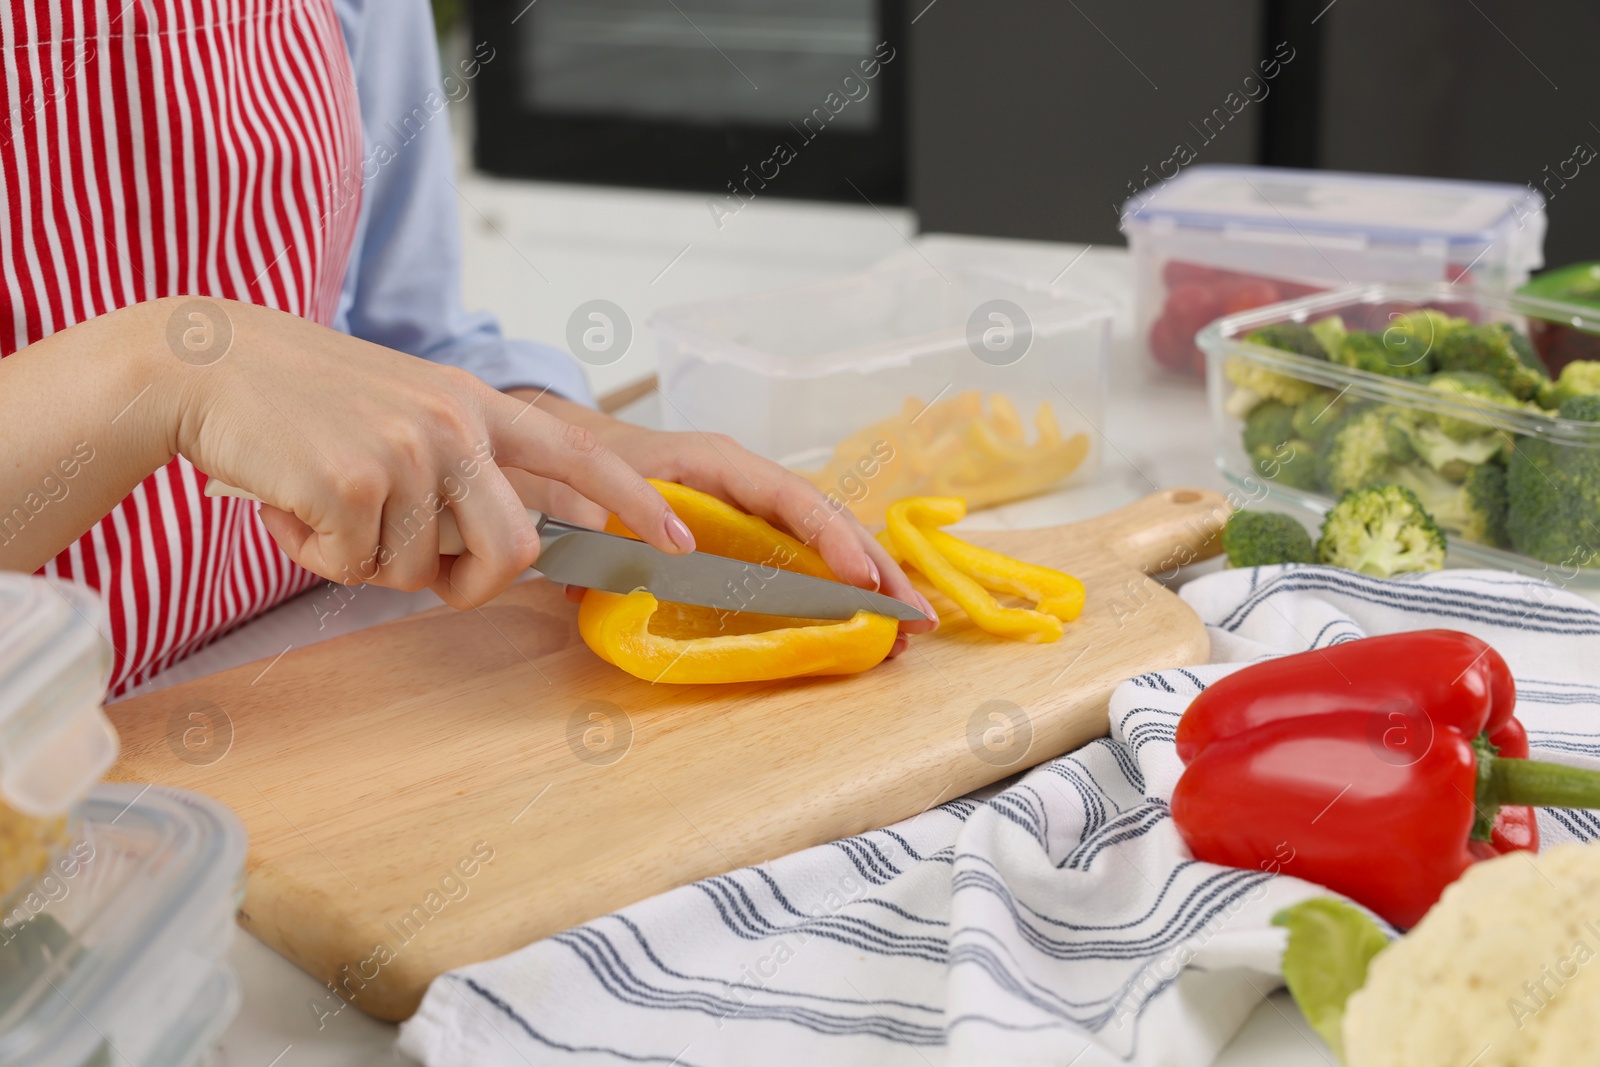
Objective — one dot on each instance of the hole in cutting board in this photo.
(1184, 496)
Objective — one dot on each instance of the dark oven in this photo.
(729, 97)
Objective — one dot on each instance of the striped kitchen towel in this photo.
(1057, 920)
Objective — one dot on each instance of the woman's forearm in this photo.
(88, 413)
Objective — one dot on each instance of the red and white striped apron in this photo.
(158, 148)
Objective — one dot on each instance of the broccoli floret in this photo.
(1293, 463)
(1263, 538)
(1329, 332)
(1580, 409)
(1415, 333)
(1393, 357)
(1522, 345)
(1474, 509)
(1269, 424)
(1288, 337)
(1364, 446)
(1381, 530)
(1554, 491)
(1478, 390)
(1451, 456)
(1317, 415)
(1264, 383)
(1581, 377)
(1492, 349)
(1454, 444)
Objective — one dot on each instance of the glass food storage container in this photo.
(55, 742)
(1217, 240)
(909, 379)
(1451, 402)
(114, 956)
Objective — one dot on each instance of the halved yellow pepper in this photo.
(681, 643)
(622, 629)
(723, 530)
(967, 573)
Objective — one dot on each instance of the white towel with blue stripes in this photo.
(1058, 920)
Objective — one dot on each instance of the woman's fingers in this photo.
(501, 542)
(346, 551)
(777, 494)
(897, 585)
(291, 535)
(554, 498)
(537, 442)
(409, 556)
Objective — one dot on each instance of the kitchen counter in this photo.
(621, 245)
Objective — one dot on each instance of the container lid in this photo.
(119, 940)
(55, 742)
(1370, 207)
(887, 317)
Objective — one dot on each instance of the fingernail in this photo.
(927, 608)
(872, 570)
(678, 533)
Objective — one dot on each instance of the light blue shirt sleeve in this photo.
(403, 285)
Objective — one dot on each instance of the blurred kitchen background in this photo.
(625, 149)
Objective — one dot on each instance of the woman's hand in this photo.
(718, 465)
(355, 449)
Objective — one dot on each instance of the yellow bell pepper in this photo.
(949, 447)
(662, 642)
(723, 530)
(968, 574)
(624, 630)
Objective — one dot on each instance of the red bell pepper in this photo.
(1380, 768)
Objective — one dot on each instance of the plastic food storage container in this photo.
(908, 379)
(115, 955)
(55, 742)
(1557, 340)
(1217, 240)
(1512, 484)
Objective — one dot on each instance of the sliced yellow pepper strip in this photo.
(1007, 423)
(617, 628)
(1054, 592)
(905, 518)
(1041, 468)
(1045, 422)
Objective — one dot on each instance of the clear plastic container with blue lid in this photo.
(116, 901)
(1218, 240)
(116, 953)
(55, 742)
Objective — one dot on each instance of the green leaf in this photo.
(1330, 945)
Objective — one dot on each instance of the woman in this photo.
(203, 273)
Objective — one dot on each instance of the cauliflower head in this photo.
(1503, 972)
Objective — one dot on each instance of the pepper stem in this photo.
(1543, 785)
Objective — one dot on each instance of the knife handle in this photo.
(450, 543)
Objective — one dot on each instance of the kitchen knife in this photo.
(577, 555)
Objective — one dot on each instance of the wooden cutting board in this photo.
(449, 787)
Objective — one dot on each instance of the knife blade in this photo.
(577, 555)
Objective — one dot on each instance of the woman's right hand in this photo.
(354, 449)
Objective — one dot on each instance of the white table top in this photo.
(1156, 435)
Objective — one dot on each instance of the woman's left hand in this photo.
(719, 465)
